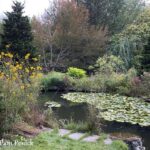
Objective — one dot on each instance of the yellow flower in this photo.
(34, 59)
(16, 74)
(39, 68)
(9, 55)
(39, 75)
(27, 56)
(13, 78)
(22, 87)
(1, 75)
(2, 53)
(26, 70)
(13, 68)
(32, 68)
(20, 67)
(7, 64)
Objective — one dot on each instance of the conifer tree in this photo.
(17, 36)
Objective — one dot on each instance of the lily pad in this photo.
(52, 104)
(115, 107)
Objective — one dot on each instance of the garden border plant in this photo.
(19, 89)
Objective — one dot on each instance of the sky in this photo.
(32, 7)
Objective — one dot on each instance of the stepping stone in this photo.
(93, 138)
(42, 129)
(47, 129)
(63, 132)
(108, 141)
(76, 136)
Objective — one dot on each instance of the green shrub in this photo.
(108, 64)
(90, 84)
(84, 84)
(76, 72)
(53, 79)
(140, 86)
(112, 83)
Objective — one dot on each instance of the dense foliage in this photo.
(112, 82)
(65, 38)
(130, 43)
(108, 39)
(108, 64)
(112, 14)
(53, 81)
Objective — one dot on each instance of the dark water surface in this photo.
(79, 112)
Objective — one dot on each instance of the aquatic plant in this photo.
(115, 107)
(52, 104)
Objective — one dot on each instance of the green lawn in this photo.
(51, 141)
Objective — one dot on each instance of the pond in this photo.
(79, 112)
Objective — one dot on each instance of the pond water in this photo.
(79, 112)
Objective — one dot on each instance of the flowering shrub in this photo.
(19, 88)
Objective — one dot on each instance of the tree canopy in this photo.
(130, 43)
(69, 38)
(114, 14)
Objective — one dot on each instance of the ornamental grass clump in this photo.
(19, 89)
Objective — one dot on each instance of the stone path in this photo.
(63, 132)
(80, 136)
(76, 136)
(27, 131)
(132, 141)
(108, 141)
(92, 138)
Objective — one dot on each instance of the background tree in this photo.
(69, 39)
(17, 33)
(114, 14)
(145, 61)
(130, 43)
(43, 35)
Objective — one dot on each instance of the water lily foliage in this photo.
(115, 107)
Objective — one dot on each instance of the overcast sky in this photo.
(32, 7)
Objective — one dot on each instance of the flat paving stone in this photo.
(76, 136)
(108, 141)
(63, 132)
(47, 129)
(93, 138)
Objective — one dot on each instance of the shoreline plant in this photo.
(19, 89)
